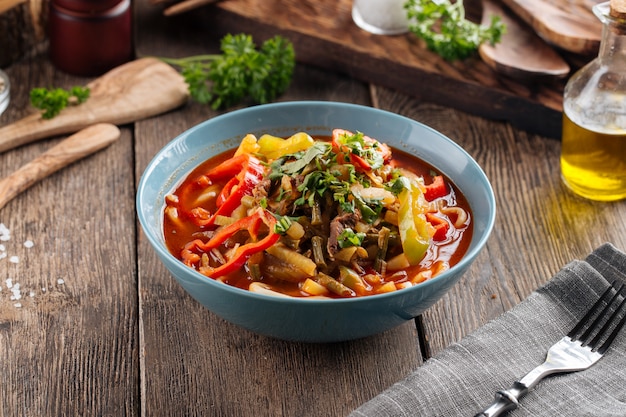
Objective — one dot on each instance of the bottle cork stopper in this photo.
(618, 9)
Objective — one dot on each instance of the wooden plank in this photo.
(195, 363)
(324, 35)
(71, 348)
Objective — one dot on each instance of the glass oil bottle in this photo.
(593, 148)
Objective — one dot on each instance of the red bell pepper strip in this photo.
(441, 227)
(252, 224)
(247, 172)
(228, 168)
(226, 191)
(436, 189)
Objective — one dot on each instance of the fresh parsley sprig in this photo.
(53, 100)
(239, 72)
(442, 25)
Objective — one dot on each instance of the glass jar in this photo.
(381, 17)
(593, 147)
(5, 91)
(90, 37)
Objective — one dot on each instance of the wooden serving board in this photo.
(324, 34)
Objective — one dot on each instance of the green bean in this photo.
(333, 285)
(316, 214)
(283, 272)
(254, 266)
(317, 245)
(255, 272)
(351, 279)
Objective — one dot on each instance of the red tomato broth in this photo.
(450, 250)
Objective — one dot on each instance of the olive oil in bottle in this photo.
(593, 163)
(593, 147)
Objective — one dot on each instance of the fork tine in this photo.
(593, 326)
(606, 326)
(616, 330)
(578, 327)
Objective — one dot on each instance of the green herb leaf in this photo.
(442, 25)
(283, 224)
(348, 238)
(396, 185)
(239, 72)
(319, 149)
(52, 101)
(367, 150)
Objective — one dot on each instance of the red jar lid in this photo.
(86, 6)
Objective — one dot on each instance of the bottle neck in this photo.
(613, 44)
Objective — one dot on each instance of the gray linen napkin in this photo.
(462, 380)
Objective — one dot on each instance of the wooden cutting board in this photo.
(324, 35)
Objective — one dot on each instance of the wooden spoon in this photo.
(185, 6)
(520, 54)
(130, 92)
(568, 24)
(77, 146)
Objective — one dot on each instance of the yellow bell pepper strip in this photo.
(246, 172)
(435, 189)
(362, 151)
(252, 224)
(248, 145)
(412, 224)
(274, 147)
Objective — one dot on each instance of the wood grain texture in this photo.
(325, 36)
(540, 225)
(133, 91)
(568, 24)
(521, 54)
(79, 145)
(119, 337)
(235, 372)
(71, 349)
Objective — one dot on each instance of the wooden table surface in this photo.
(101, 329)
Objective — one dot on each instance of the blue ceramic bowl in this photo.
(300, 319)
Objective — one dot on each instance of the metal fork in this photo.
(583, 346)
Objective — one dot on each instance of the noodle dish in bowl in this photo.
(315, 221)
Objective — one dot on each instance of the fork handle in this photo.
(505, 401)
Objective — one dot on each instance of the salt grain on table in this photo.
(5, 233)
(14, 288)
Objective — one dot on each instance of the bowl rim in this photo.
(158, 246)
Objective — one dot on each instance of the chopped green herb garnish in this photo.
(442, 25)
(348, 238)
